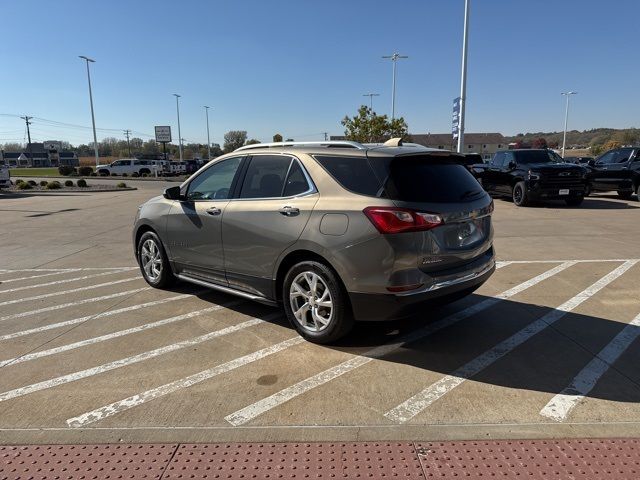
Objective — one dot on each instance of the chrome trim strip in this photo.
(229, 290)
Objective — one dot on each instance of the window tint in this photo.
(353, 173)
(508, 158)
(296, 181)
(606, 158)
(623, 155)
(215, 182)
(265, 176)
(537, 156)
(497, 160)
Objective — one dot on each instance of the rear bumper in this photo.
(380, 307)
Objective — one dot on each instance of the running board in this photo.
(229, 290)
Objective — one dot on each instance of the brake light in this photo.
(399, 220)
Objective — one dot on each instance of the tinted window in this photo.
(415, 178)
(497, 160)
(606, 158)
(537, 156)
(509, 158)
(215, 182)
(623, 155)
(296, 181)
(265, 176)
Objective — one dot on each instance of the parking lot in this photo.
(547, 347)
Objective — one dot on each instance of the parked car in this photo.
(334, 232)
(5, 176)
(578, 160)
(530, 175)
(127, 166)
(616, 170)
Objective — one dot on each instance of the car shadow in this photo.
(589, 203)
(545, 362)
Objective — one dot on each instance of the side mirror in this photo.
(172, 193)
(591, 163)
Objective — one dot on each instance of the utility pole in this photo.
(93, 119)
(206, 108)
(26, 120)
(127, 133)
(566, 119)
(326, 136)
(179, 134)
(463, 81)
(371, 95)
(394, 58)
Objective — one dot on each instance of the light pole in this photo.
(206, 109)
(463, 80)
(371, 95)
(179, 134)
(93, 119)
(566, 119)
(394, 58)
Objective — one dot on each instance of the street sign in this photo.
(456, 118)
(163, 134)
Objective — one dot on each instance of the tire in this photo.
(574, 202)
(150, 251)
(519, 195)
(624, 195)
(103, 173)
(638, 192)
(145, 170)
(339, 318)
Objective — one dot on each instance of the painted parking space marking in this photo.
(60, 282)
(29, 277)
(96, 316)
(110, 336)
(252, 411)
(135, 400)
(73, 304)
(89, 372)
(561, 405)
(408, 409)
(66, 292)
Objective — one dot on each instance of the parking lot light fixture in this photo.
(371, 95)
(206, 108)
(566, 119)
(179, 134)
(394, 58)
(93, 119)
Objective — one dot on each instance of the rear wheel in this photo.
(315, 302)
(103, 173)
(153, 261)
(519, 196)
(624, 194)
(574, 202)
(638, 192)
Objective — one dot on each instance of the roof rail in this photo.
(328, 143)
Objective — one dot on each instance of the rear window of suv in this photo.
(413, 178)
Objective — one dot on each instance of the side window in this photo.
(624, 155)
(353, 173)
(606, 158)
(265, 176)
(509, 157)
(497, 160)
(296, 181)
(215, 182)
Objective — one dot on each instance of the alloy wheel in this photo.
(311, 301)
(151, 260)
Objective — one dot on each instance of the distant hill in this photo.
(588, 138)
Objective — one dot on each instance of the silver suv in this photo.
(332, 231)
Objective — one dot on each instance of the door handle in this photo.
(289, 211)
(213, 211)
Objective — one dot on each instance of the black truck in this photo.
(532, 175)
(617, 170)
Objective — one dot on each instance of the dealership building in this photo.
(45, 154)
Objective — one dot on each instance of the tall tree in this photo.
(277, 137)
(253, 141)
(234, 139)
(367, 126)
(539, 142)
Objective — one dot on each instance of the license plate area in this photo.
(563, 191)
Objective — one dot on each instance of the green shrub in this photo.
(44, 183)
(66, 170)
(54, 186)
(85, 171)
(19, 181)
(121, 185)
(32, 183)
(68, 183)
(23, 186)
(82, 183)
(145, 175)
(135, 174)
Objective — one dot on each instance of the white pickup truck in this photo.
(5, 177)
(129, 166)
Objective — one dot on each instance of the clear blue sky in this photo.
(297, 67)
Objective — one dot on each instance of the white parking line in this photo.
(110, 336)
(135, 400)
(250, 412)
(417, 403)
(123, 362)
(18, 279)
(59, 282)
(65, 292)
(109, 313)
(72, 304)
(561, 405)
(9, 270)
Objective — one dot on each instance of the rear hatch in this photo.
(439, 190)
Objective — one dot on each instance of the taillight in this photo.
(398, 220)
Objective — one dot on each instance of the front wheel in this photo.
(315, 302)
(153, 261)
(574, 202)
(520, 196)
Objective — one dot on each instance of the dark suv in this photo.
(530, 175)
(618, 170)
